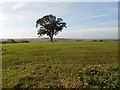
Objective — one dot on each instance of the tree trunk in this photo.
(51, 38)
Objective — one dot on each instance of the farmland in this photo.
(84, 64)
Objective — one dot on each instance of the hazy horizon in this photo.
(85, 20)
(60, 38)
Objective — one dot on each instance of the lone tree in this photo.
(50, 25)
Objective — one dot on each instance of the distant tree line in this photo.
(14, 41)
(92, 40)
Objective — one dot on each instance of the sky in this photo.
(85, 20)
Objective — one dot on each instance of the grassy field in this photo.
(60, 64)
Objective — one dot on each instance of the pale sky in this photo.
(85, 20)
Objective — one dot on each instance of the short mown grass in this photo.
(59, 64)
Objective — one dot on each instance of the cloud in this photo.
(60, 1)
(94, 16)
(91, 33)
(15, 32)
(115, 25)
(17, 6)
(82, 33)
(3, 18)
(20, 19)
(59, 9)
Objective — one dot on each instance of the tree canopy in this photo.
(50, 25)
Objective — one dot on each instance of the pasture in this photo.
(60, 64)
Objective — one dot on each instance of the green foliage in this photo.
(24, 82)
(100, 77)
(50, 25)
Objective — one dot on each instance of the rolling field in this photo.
(60, 64)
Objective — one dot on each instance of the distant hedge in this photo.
(98, 40)
(23, 41)
(13, 41)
